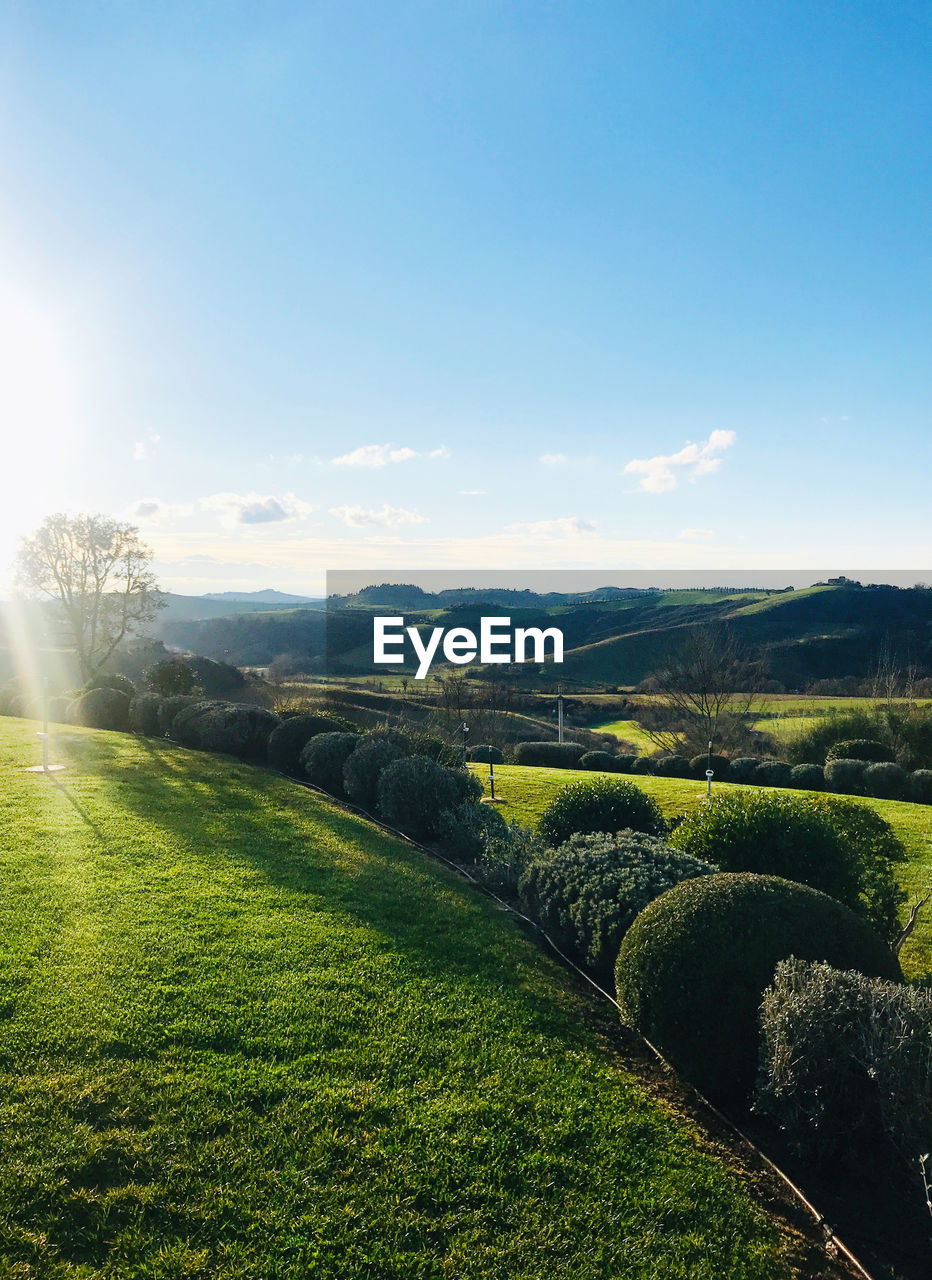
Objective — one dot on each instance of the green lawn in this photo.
(246, 1035)
(527, 791)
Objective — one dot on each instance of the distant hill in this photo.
(220, 605)
(268, 596)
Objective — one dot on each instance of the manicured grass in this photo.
(245, 1035)
(629, 731)
(527, 791)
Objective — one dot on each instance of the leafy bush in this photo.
(102, 708)
(486, 755)
(886, 781)
(602, 804)
(807, 777)
(859, 749)
(144, 714)
(602, 761)
(625, 764)
(845, 776)
(234, 728)
(813, 745)
(323, 757)
(172, 707)
(288, 739)
(846, 1063)
(375, 751)
(110, 680)
(644, 765)
(557, 755)
(694, 965)
(587, 892)
(719, 764)
(413, 791)
(799, 837)
(920, 786)
(465, 830)
(872, 841)
(672, 767)
(772, 773)
(743, 769)
(58, 710)
(434, 748)
(172, 678)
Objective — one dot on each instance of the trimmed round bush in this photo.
(859, 749)
(486, 755)
(587, 893)
(920, 786)
(58, 710)
(807, 777)
(743, 769)
(288, 739)
(103, 708)
(625, 764)
(602, 761)
(699, 764)
(172, 707)
(111, 680)
(599, 804)
(434, 748)
(772, 773)
(693, 967)
(872, 841)
(556, 755)
(466, 830)
(845, 776)
(644, 765)
(886, 781)
(144, 714)
(323, 758)
(374, 752)
(800, 837)
(672, 767)
(233, 728)
(413, 792)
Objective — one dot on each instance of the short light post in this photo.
(43, 737)
(491, 778)
(465, 728)
(560, 714)
(709, 772)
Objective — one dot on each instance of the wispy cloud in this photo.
(563, 527)
(659, 474)
(695, 535)
(155, 511)
(472, 493)
(257, 508)
(552, 459)
(143, 448)
(383, 455)
(386, 516)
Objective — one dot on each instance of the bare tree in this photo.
(97, 571)
(703, 694)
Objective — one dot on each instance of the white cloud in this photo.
(472, 493)
(389, 517)
(257, 508)
(381, 455)
(155, 511)
(695, 535)
(659, 473)
(552, 459)
(564, 527)
(143, 448)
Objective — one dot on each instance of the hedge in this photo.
(599, 804)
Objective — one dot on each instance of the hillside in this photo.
(246, 1034)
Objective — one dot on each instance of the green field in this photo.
(526, 792)
(247, 1035)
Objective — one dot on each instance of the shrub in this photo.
(557, 755)
(719, 764)
(374, 752)
(743, 769)
(807, 777)
(599, 804)
(846, 1063)
(872, 841)
(110, 680)
(814, 744)
(859, 749)
(102, 708)
(288, 739)
(486, 755)
(58, 710)
(323, 758)
(845, 776)
(426, 744)
(413, 791)
(465, 830)
(169, 709)
(171, 678)
(672, 767)
(798, 837)
(694, 965)
(625, 764)
(602, 761)
(920, 786)
(772, 773)
(144, 714)
(887, 781)
(587, 893)
(234, 728)
(644, 765)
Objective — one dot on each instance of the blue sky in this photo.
(319, 285)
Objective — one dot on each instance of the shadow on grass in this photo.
(217, 807)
